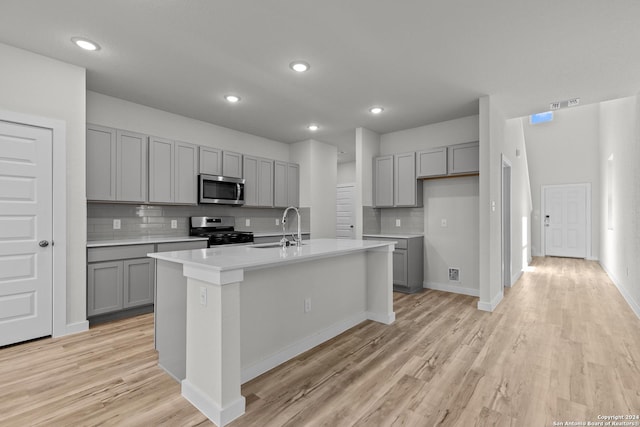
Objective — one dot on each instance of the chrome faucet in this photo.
(297, 240)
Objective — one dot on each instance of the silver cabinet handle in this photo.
(43, 243)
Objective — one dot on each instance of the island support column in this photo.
(213, 379)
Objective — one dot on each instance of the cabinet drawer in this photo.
(119, 252)
(181, 246)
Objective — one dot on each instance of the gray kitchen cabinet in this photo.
(407, 190)
(286, 184)
(161, 170)
(432, 162)
(172, 172)
(210, 161)
(464, 158)
(104, 287)
(258, 186)
(138, 282)
(408, 262)
(232, 164)
(185, 173)
(101, 163)
(383, 181)
(131, 166)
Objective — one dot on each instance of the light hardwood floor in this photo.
(562, 346)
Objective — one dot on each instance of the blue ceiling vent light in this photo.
(547, 116)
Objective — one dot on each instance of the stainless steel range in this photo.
(220, 230)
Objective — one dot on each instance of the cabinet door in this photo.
(405, 183)
(293, 184)
(232, 164)
(250, 174)
(280, 184)
(432, 162)
(400, 267)
(132, 158)
(161, 170)
(138, 282)
(265, 183)
(210, 161)
(185, 173)
(464, 158)
(104, 287)
(383, 181)
(101, 163)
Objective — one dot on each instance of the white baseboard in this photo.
(219, 416)
(74, 328)
(386, 319)
(593, 258)
(490, 306)
(515, 278)
(303, 345)
(451, 288)
(623, 291)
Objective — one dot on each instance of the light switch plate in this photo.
(398, 222)
(116, 224)
(247, 222)
(174, 223)
(277, 221)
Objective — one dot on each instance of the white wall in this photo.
(37, 85)
(114, 112)
(318, 171)
(565, 151)
(367, 147)
(455, 199)
(620, 243)
(347, 173)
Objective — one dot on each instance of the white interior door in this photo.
(565, 221)
(26, 255)
(345, 214)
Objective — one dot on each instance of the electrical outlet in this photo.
(247, 222)
(174, 223)
(307, 305)
(397, 222)
(203, 296)
(443, 222)
(277, 221)
(116, 224)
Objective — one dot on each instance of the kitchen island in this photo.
(226, 315)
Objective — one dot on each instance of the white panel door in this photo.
(565, 221)
(345, 214)
(26, 213)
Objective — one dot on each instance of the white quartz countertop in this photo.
(250, 257)
(141, 241)
(278, 234)
(393, 236)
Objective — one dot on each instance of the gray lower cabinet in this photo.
(104, 287)
(138, 282)
(408, 263)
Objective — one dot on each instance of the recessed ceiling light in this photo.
(313, 127)
(85, 44)
(376, 110)
(232, 98)
(299, 66)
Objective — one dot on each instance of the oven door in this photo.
(221, 190)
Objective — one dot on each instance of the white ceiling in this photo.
(423, 61)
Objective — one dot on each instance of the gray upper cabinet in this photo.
(161, 170)
(432, 162)
(383, 181)
(116, 165)
(258, 186)
(464, 158)
(172, 171)
(131, 166)
(185, 173)
(407, 190)
(210, 161)
(286, 184)
(232, 164)
(101, 163)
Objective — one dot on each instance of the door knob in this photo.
(43, 243)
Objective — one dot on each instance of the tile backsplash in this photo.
(155, 220)
(377, 220)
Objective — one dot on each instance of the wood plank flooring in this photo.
(562, 346)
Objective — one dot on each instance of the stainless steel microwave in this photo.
(221, 190)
